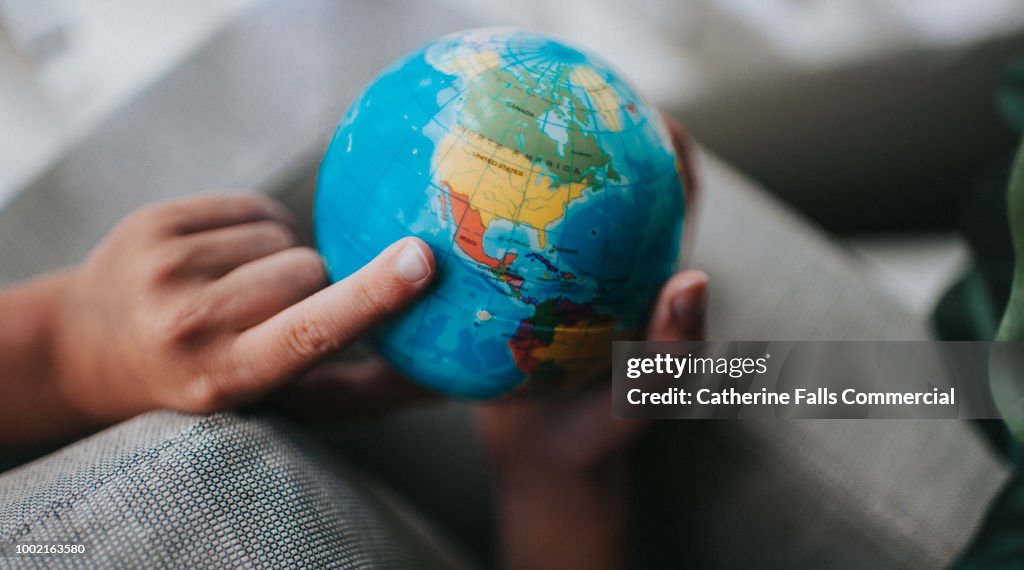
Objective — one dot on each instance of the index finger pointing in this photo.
(303, 334)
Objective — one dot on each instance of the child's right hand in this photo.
(206, 302)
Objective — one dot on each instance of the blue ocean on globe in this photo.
(548, 190)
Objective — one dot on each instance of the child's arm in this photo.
(197, 305)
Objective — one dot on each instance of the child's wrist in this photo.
(66, 373)
(43, 303)
(34, 361)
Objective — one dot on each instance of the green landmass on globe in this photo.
(547, 188)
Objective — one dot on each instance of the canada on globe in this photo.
(548, 190)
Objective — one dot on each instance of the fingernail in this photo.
(412, 265)
(688, 303)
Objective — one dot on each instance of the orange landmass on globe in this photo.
(469, 233)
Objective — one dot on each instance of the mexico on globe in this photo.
(547, 188)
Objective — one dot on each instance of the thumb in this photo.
(301, 335)
(681, 310)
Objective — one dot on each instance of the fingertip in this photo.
(681, 310)
(687, 282)
(688, 293)
(415, 261)
(425, 249)
(689, 304)
(274, 209)
(688, 279)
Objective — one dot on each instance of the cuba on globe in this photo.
(547, 188)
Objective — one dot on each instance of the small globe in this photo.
(548, 190)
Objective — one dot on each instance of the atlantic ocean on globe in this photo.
(548, 190)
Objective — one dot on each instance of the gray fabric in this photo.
(254, 108)
(808, 494)
(174, 491)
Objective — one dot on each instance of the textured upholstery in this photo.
(169, 490)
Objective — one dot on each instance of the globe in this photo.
(546, 187)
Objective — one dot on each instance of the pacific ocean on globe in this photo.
(547, 188)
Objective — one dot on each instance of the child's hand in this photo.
(573, 437)
(205, 303)
(560, 464)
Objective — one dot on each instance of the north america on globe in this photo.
(547, 188)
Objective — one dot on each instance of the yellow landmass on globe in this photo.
(581, 351)
(501, 183)
(602, 96)
(471, 64)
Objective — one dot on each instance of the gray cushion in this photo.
(170, 490)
